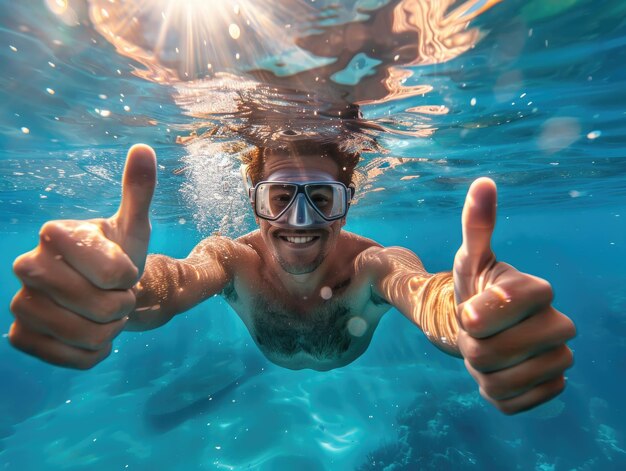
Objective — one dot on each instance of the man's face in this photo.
(290, 245)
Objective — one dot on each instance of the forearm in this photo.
(434, 311)
(154, 293)
(427, 300)
(158, 292)
(169, 286)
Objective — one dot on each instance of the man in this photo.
(310, 294)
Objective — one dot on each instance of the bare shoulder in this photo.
(357, 244)
(380, 261)
(230, 252)
(361, 250)
(251, 243)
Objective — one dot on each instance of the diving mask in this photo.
(301, 205)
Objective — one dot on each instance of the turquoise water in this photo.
(537, 103)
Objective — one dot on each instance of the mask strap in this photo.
(352, 189)
(245, 176)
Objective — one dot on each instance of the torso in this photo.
(307, 331)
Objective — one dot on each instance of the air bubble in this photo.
(357, 326)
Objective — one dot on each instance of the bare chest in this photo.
(332, 333)
(321, 333)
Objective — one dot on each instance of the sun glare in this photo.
(187, 39)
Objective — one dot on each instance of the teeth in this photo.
(299, 240)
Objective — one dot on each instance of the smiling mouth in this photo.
(299, 240)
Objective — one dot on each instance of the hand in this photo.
(76, 293)
(512, 339)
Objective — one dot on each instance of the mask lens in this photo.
(273, 198)
(328, 199)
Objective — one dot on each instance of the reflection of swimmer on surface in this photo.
(310, 294)
(190, 393)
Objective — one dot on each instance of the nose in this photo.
(300, 215)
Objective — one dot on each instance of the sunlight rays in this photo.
(189, 39)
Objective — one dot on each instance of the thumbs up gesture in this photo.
(512, 339)
(76, 284)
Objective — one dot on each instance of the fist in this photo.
(76, 284)
(512, 339)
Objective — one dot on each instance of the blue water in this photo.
(537, 104)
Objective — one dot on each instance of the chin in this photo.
(299, 268)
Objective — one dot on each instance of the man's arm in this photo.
(427, 300)
(79, 285)
(170, 286)
(500, 320)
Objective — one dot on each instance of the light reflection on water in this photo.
(448, 91)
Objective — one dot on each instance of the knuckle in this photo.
(91, 359)
(475, 354)
(113, 305)
(105, 334)
(18, 338)
(15, 337)
(128, 300)
(85, 363)
(116, 271)
(473, 325)
(506, 409)
(97, 340)
(110, 274)
(18, 303)
(109, 309)
(493, 389)
(544, 289)
(570, 330)
(564, 327)
(559, 384)
(49, 231)
(115, 328)
(24, 265)
(569, 358)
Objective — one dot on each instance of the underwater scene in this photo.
(430, 95)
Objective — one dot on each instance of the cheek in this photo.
(264, 228)
(335, 229)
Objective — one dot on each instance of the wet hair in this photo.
(290, 144)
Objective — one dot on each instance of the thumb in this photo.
(132, 219)
(478, 221)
